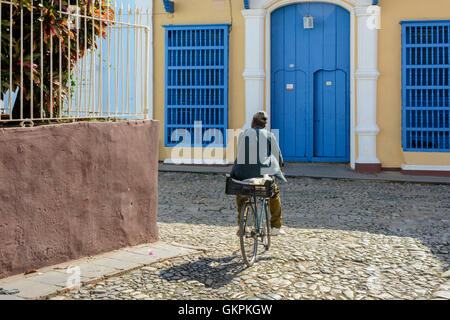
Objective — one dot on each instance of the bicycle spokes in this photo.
(248, 234)
(254, 227)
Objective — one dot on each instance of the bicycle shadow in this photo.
(213, 273)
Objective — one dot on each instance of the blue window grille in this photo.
(196, 105)
(426, 86)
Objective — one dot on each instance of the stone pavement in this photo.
(317, 170)
(57, 279)
(345, 240)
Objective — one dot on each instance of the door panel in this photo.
(291, 114)
(329, 114)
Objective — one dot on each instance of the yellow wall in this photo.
(389, 148)
(389, 141)
(201, 12)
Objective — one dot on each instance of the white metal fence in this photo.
(56, 65)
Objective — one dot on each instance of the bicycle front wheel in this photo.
(248, 234)
(265, 233)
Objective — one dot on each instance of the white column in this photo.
(254, 62)
(366, 86)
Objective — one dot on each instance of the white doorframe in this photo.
(352, 66)
(367, 74)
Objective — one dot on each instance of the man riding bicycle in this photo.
(258, 154)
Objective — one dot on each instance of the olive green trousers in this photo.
(276, 219)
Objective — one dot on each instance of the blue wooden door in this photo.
(310, 82)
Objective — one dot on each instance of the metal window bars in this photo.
(73, 60)
(426, 86)
(196, 85)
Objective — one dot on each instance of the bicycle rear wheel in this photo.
(248, 234)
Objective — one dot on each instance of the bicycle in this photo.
(254, 225)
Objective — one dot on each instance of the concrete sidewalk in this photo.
(317, 170)
(55, 279)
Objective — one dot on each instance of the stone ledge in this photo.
(50, 281)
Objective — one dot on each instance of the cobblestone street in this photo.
(345, 240)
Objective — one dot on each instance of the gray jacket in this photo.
(258, 153)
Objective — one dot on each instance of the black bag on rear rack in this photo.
(267, 190)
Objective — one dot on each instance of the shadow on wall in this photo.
(392, 209)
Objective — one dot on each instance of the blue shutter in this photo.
(196, 82)
(425, 86)
(169, 6)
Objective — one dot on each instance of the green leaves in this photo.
(53, 44)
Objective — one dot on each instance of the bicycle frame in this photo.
(259, 215)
